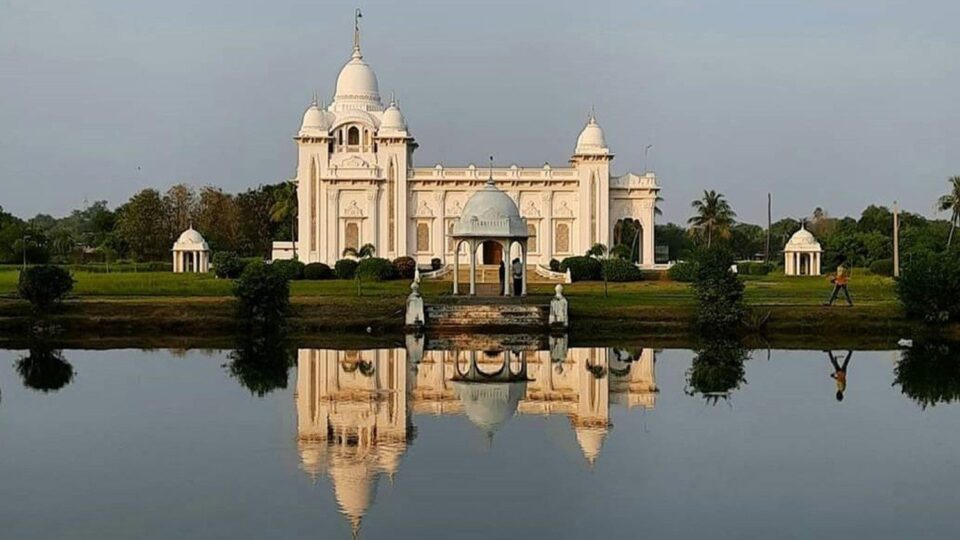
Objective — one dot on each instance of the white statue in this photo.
(415, 316)
(558, 309)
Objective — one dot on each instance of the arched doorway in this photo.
(492, 252)
(628, 232)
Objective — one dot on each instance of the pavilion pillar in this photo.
(523, 254)
(456, 266)
(473, 268)
(507, 269)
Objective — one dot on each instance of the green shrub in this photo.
(122, 266)
(376, 269)
(317, 271)
(436, 263)
(719, 292)
(929, 372)
(291, 269)
(554, 265)
(345, 268)
(750, 268)
(929, 286)
(404, 267)
(683, 271)
(263, 295)
(882, 267)
(227, 264)
(620, 270)
(44, 286)
(582, 268)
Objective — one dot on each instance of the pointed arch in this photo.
(314, 183)
(392, 207)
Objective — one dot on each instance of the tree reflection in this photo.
(929, 372)
(261, 362)
(44, 369)
(717, 369)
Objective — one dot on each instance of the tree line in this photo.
(144, 228)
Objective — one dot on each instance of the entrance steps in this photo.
(487, 315)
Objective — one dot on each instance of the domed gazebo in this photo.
(489, 215)
(802, 254)
(191, 253)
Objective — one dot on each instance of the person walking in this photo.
(840, 280)
(517, 277)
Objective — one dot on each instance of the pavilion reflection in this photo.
(355, 408)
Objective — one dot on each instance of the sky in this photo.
(823, 103)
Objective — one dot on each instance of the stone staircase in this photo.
(499, 315)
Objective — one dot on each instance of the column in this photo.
(546, 229)
(440, 227)
(174, 261)
(523, 254)
(456, 267)
(372, 200)
(507, 269)
(333, 225)
(473, 268)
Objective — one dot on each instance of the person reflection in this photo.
(840, 372)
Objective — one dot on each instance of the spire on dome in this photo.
(356, 33)
(490, 178)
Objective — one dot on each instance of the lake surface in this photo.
(564, 442)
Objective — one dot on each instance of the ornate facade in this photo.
(357, 184)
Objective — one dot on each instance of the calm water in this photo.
(399, 443)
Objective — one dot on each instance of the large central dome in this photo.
(357, 86)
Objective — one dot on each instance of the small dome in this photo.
(315, 122)
(590, 440)
(490, 405)
(191, 240)
(591, 139)
(490, 213)
(803, 240)
(392, 121)
(357, 86)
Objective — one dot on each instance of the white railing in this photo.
(543, 271)
(438, 273)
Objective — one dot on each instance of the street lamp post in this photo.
(23, 246)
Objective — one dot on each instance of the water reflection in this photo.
(355, 409)
(44, 369)
(929, 373)
(840, 372)
(261, 362)
(717, 369)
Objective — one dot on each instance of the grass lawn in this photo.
(773, 290)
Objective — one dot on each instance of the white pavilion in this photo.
(802, 254)
(191, 253)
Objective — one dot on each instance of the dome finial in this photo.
(490, 178)
(357, 15)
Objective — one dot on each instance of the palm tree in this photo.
(284, 208)
(951, 203)
(366, 251)
(713, 216)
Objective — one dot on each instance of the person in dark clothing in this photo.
(840, 373)
(503, 275)
(517, 277)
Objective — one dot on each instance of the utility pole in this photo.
(23, 246)
(766, 249)
(896, 239)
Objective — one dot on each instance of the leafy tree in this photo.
(257, 229)
(143, 227)
(929, 286)
(44, 369)
(44, 286)
(876, 219)
(217, 217)
(719, 292)
(284, 209)
(713, 217)
(263, 296)
(678, 241)
(951, 203)
(181, 202)
(747, 240)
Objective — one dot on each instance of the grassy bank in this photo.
(190, 304)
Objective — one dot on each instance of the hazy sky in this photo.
(832, 103)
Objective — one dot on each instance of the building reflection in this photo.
(355, 408)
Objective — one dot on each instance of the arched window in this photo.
(563, 238)
(340, 137)
(423, 237)
(353, 136)
(531, 238)
(451, 242)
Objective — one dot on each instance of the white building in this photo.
(802, 254)
(357, 184)
(191, 253)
